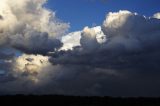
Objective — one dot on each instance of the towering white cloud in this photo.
(78, 38)
(71, 40)
(30, 27)
(26, 25)
(131, 30)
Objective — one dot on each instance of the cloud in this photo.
(78, 38)
(118, 58)
(1, 18)
(127, 59)
(27, 74)
(35, 43)
(157, 15)
(28, 26)
(71, 40)
(131, 27)
(30, 66)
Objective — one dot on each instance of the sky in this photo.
(80, 48)
(81, 13)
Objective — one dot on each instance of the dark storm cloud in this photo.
(128, 60)
(1, 17)
(126, 40)
(5, 56)
(124, 61)
(39, 43)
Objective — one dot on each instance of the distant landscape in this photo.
(79, 100)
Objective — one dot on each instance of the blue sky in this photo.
(82, 13)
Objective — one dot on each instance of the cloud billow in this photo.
(28, 26)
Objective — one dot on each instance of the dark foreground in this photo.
(78, 101)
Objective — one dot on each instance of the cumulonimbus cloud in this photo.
(121, 54)
(127, 59)
(28, 26)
